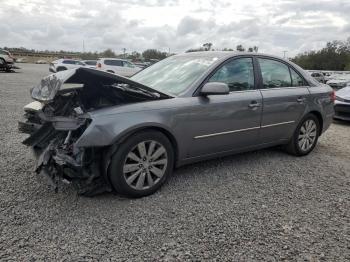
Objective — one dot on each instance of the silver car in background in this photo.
(102, 131)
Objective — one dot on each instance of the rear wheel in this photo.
(142, 164)
(305, 136)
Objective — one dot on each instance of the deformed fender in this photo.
(107, 130)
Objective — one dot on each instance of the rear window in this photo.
(113, 62)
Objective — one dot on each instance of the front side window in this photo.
(238, 74)
(274, 73)
(297, 80)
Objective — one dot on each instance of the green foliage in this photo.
(108, 53)
(240, 48)
(153, 54)
(334, 56)
(207, 46)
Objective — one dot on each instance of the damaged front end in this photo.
(60, 116)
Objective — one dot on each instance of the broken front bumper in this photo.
(52, 140)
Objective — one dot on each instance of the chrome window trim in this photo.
(243, 130)
(286, 87)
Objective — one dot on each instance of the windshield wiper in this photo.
(127, 88)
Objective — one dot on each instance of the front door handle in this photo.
(253, 104)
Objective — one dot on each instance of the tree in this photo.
(153, 54)
(207, 46)
(200, 49)
(240, 48)
(250, 49)
(108, 53)
(334, 56)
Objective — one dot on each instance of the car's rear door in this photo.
(285, 94)
(220, 123)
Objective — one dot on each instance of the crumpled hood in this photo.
(50, 85)
(344, 93)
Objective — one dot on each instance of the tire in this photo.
(135, 176)
(302, 144)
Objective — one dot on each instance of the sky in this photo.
(177, 25)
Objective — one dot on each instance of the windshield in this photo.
(174, 74)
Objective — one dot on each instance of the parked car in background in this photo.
(90, 63)
(41, 62)
(318, 76)
(342, 104)
(22, 60)
(7, 61)
(128, 134)
(117, 66)
(142, 65)
(64, 64)
(339, 81)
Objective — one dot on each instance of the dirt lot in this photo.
(260, 205)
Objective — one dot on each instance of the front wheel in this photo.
(305, 136)
(141, 164)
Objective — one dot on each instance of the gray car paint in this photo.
(237, 127)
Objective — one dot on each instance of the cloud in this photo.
(295, 26)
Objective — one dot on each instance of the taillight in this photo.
(99, 65)
(332, 95)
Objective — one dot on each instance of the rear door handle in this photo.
(254, 104)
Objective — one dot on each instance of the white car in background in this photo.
(7, 61)
(339, 81)
(64, 64)
(90, 63)
(117, 66)
(318, 76)
(342, 104)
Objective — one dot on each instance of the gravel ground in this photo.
(263, 205)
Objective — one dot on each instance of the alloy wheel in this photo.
(307, 135)
(145, 165)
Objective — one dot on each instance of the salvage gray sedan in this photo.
(101, 131)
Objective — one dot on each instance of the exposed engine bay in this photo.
(60, 116)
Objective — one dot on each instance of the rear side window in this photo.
(274, 73)
(297, 80)
(114, 62)
(238, 74)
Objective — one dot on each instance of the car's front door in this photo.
(220, 123)
(285, 94)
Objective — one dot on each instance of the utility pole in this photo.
(124, 50)
(83, 47)
(284, 54)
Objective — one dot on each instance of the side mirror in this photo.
(215, 88)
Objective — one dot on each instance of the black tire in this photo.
(119, 159)
(60, 69)
(293, 146)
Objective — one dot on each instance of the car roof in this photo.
(227, 54)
